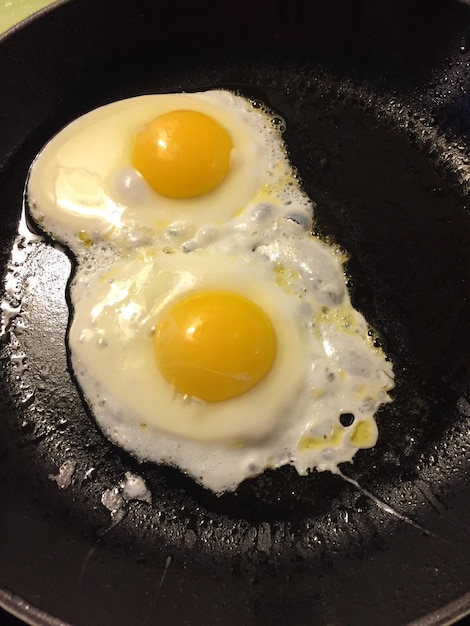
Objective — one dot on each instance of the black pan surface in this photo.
(377, 102)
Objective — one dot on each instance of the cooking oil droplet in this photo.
(28, 400)
(63, 423)
(9, 313)
(18, 361)
(279, 123)
(27, 427)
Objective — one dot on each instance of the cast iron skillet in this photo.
(376, 98)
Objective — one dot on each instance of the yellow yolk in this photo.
(182, 154)
(214, 345)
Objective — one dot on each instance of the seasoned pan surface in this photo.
(377, 108)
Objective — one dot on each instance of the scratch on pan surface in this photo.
(431, 497)
(386, 507)
(157, 592)
(91, 552)
(117, 515)
(132, 487)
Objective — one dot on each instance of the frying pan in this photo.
(377, 102)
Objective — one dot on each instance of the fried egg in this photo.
(132, 170)
(211, 330)
(155, 337)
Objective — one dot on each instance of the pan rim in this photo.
(30, 18)
(29, 613)
(449, 614)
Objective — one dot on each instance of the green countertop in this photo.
(13, 11)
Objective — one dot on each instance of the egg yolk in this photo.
(182, 154)
(214, 345)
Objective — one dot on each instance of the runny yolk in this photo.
(182, 154)
(214, 345)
